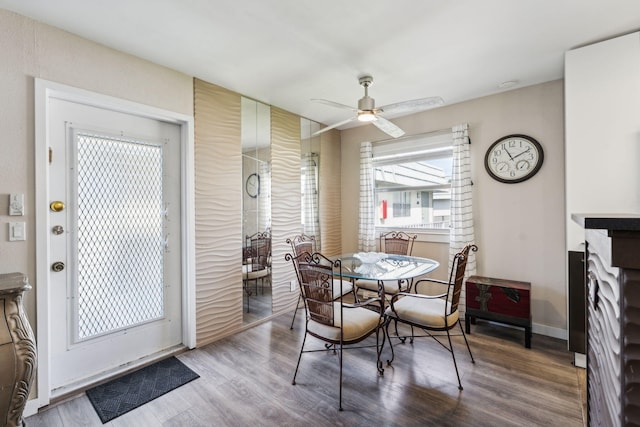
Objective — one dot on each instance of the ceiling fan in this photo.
(367, 111)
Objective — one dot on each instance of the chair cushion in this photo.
(346, 288)
(390, 286)
(421, 311)
(358, 323)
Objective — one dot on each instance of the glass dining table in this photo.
(382, 267)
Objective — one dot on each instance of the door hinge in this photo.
(50, 155)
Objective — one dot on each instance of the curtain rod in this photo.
(415, 135)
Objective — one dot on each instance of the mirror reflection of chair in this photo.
(335, 322)
(256, 263)
(304, 243)
(433, 314)
(392, 242)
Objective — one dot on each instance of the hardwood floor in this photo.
(245, 380)
(259, 305)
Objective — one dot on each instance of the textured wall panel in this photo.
(603, 334)
(285, 203)
(218, 170)
(330, 193)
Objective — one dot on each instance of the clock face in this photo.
(514, 158)
(253, 185)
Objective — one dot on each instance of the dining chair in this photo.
(331, 320)
(392, 242)
(256, 262)
(432, 313)
(304, 243)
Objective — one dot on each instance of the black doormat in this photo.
(126, 393)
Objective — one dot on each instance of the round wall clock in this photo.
(252, 185)
(514, 158)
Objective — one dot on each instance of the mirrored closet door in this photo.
(256, 210)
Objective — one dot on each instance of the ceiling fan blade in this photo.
(387, 127)
(412, 106)
(333, 104)
(335, 125)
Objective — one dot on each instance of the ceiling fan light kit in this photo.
(366, 116)
(367, 111)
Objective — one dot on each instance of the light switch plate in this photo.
(17, 231)
(16, 204)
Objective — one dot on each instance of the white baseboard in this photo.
(550, 331)
(31, 408)
(580, 360)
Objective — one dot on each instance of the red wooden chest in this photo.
(499, 300)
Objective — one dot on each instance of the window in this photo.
(413, 181)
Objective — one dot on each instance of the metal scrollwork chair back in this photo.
(304, 243)
(256, 263)
(397, 242)
(336, 322)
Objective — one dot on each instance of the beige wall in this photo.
(519, 227)
(30, 49)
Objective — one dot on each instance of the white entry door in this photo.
(114, 245)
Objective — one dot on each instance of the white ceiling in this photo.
(285, 52)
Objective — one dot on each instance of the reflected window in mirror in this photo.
(309, 179)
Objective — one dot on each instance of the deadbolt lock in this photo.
(57, 266)
(57, 206)
(57, 229)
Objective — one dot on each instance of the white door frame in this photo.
(44, 91)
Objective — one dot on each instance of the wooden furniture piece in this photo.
(17, 350)
(433, 314)
(499, 300)
(612, 255)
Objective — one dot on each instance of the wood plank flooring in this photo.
(245, 380)
(259, 305)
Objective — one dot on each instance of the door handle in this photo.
(57, 266)
(57, 206)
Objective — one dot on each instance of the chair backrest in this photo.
(302, 243)
(315, 275)
(397, 242)
(260, 244)
(456, 277)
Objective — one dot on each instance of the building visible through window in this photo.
(413, 181)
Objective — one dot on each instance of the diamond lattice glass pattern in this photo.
(120, 234)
